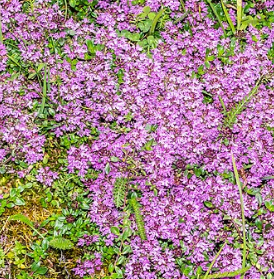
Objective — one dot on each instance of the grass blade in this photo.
(228, 274)
(242, 209)
(223, 104)
(216, 15)
(231, 116)
(228, 18)
(1, 34)
(214, 260)
(24, 219)
(239, 13)
(44, 92)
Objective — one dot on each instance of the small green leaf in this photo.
(90, 46)
(72, 3)
(259, 224)
(135, 37)
(126, 249)
(107, 168)
(144, 26)
(114, 159)
(119, 272)
(19, 201)
(208, 204)
(269, 205)
(127, 233)
(115, 230)
(151, 16)
(45, 159)
(111, 268)
(36, 268)
(121, 260)
(151, 41)
(259, 199)
(146, 9)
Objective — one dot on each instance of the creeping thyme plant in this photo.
(136, 139)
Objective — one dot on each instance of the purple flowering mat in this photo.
(118, 124)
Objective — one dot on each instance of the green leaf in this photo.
(21, 218)
(119, 272)
(19, 201)
(135, 37)
(259, 199)
(114, 159)
(107, 168)
(151, 16)
(146, 9)
(121, 260)
(126, 249)
(41, 111)
(151, 41)
(61, 243)
(119, 191)
(36, 268)
(126, 234)
(72, 3)
(208, 204)
(259, 224)
(111, 267)
(115, 230)
(45, 159)
(144, 26)
(90, 46)
(269, 205)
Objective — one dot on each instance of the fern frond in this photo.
(139, 218)
(119, 191)
(61, 243)
(231, 116)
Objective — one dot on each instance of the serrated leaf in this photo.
(119, 191)
(61, 243)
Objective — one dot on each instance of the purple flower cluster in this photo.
(89, 267)
(154, 127)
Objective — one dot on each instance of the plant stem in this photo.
(155, 21)
(66, 9)
(242, 209)
(239, 13)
